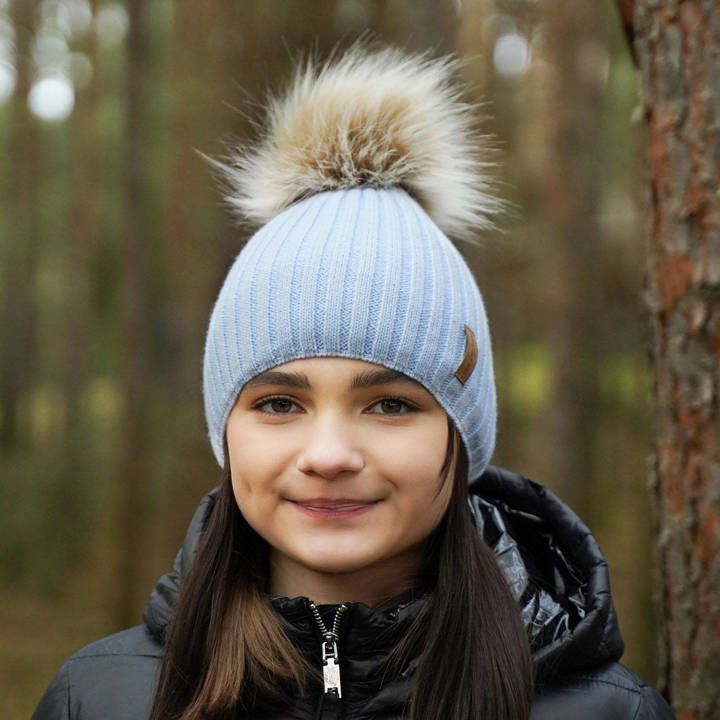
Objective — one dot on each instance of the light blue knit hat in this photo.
(363, 160)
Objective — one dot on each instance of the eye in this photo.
(393, 406)
(275, 405)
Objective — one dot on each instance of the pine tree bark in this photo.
(677, 47)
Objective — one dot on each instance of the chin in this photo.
(336, 563)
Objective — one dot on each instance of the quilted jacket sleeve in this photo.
(55, 703)
(110, 679)
(611, 693)
(653, 706)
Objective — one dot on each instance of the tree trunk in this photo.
(135, 311)
(70, 499)
(571, 196)
(19, 250)
(677, 46)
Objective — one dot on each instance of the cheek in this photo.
(241, 458)
(423, 498)
(413, 465)
(252, 471)
(427, 493)
(255, 498)
(431, 502)
(242, 489)
(418, 455)
(250, 487)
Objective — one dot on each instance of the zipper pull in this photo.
(330, 655)
(331, 666)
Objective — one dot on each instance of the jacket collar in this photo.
(364, 630)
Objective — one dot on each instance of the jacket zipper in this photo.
(330, 656)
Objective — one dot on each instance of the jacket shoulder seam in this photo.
(644, 690)
(636, 714)
(86, 656)
(67, 693)
(634, 688)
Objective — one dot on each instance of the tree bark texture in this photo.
(677, 45)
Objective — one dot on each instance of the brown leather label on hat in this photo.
(469, 359)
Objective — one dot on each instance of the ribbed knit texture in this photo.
(361, 273)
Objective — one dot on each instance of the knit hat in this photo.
(365, 164)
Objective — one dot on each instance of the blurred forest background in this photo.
(113, 244)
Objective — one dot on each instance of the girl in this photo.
(360, 559)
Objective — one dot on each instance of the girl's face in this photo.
(336, 463)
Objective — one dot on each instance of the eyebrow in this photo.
(276, 377)
(300, 380)
(377, 377)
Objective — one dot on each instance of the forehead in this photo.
(312, 373)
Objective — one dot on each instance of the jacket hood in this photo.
(555, 569)
(552, 562)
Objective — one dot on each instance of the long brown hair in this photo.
(225, 646)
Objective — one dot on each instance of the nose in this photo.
(330, 451)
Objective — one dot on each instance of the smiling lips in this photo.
(333, 509)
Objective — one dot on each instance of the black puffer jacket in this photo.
(552, 563)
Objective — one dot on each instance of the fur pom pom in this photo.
(369, 118)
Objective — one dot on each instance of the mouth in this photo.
(323, 508)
